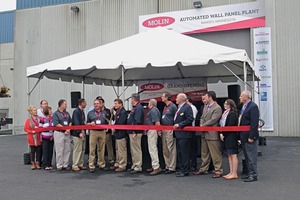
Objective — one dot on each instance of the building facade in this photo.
(46, 33)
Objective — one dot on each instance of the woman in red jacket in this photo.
(33, 138)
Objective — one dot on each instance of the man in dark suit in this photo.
(183, 117)
(249, 116)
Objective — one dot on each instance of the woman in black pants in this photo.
(47, 138)
(230, 139)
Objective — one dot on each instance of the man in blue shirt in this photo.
(62, 139)
(78, 118)
(97, 116)
(136, 117)
(153, 118)
(168, 139)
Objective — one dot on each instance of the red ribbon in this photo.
(147, 127)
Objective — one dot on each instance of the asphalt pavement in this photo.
(279, 179)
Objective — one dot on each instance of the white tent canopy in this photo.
(155, 54)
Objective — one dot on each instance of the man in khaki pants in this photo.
(210, 142)
(62, 139)
(153, 118)
(120, 118)
(136, 117)
(97, 116)
(78, 118)
(168, 140)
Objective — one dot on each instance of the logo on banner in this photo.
(263, 42)
(262, 34)
(261, 59)
(158, 21)
(152, 86)
(262, 52)
(262, 68)
(264, 85)
(264, 96)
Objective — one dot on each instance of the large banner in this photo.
(263, 65)
(219, 18)
(154, 89)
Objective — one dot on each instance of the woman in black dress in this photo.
(230, 139)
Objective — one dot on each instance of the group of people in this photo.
(177, 144)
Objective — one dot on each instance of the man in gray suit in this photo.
(210, 142)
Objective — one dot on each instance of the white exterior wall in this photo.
(7, 74)
(44, 34)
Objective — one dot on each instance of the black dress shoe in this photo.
(104, 168)
(250, 179)
(245, 177)
(169, 172)
(92, 170)
(193, 169)
(134, 171)
(182, 174)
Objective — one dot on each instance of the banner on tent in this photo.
(154, 89)
(219, 18)
(263, 65)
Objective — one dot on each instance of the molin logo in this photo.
(158, 21)
(152, 86)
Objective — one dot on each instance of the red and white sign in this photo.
(220, 18)
(154, 89)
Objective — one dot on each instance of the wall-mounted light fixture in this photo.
(75, 9)
(197, 4)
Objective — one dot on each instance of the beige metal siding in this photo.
(174, 5)
(48, 33)
(27, 52)
(44, 34)
(286, 51)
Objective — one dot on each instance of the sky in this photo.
(7, 5)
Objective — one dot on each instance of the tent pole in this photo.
(83, 88)
(245, 75)
(123, 84)
(253, 88)
(39, 79)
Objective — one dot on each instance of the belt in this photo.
(98, 130)
(61, 131)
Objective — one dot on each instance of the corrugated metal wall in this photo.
(47, 33)
(283, 18)
(174, 5)
(7, 26)
(25, 4)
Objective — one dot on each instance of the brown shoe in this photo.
(150, 169)
(76, 169)
(217, 175)
(59, 169)
(32, 166)
(119, 169)
(113, 167)
(155, 172)
(67, 168)
(37, 165)
(200, 173)
(83, 168)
